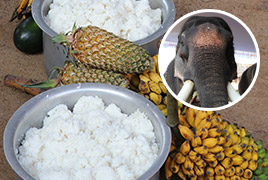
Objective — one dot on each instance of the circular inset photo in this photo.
(209, 60)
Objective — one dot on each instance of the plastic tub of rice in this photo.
(87, 131)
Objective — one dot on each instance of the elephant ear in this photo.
(173, 82)
(231, 61)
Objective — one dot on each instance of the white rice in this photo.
(128, 19)
(94, 141)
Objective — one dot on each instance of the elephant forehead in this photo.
(208, 34)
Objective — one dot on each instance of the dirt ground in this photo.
(251, 112)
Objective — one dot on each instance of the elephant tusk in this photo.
(233, 95)
(186, 90)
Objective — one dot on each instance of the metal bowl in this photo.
(31, 114)
(54, 53)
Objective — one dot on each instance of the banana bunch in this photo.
(150, 85)
(22, 10)
(261, 173)
(213, 149)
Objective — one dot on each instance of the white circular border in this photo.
(249, 32)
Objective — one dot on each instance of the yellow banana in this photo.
(203, 133)
(215, 121)
(247, 154)
(185, 147)
(210, 142)
(154, 77)
(221, 126)
(214, 132)
(235, 177)
(200, 163)
(219, 170)
(239, 171)
(154, 87)
(203, 150)
(216, 149)
(209, 157)
(199, 171)
(188, 164)
(235, 138)
(144, 87)
(162, 87)
(190, 116)
(205, 123)
(161, 106)
(251, 141)
(186, 132)
(245, 140)
(186, 171)
(244, 164)
(230, 171)
(200, 115)
(221, 140)
(239, 148)
(230, 152)
(219, 177)
(194, 156)
(220, 156)
(174, 167)
(228, 142)
(227, 162)
(168, 172)
(243, 132)
(144, 77)
(254, 155)
(196, 141)
(209, 171)
(155, 68)
(146, 74)
(213, 163)
(247, 173)
(180, 158)
(156, 98)
(181, 174)
(183, 120)
(237, 160)
(252, 165)
(229, 129)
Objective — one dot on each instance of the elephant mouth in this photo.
(188, 87)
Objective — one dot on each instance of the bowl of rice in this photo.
(87, 131)
(143, 22)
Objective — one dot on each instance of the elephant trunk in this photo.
(210, 77)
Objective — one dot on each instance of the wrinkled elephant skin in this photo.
(205, 55)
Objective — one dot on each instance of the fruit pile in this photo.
(212, 149)
(261, 173)
(150, 85)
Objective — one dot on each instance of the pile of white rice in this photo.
(94, 141)
(128, 19)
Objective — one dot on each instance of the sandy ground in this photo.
(251, 112)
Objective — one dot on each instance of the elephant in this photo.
(246, 78)
(204, 62)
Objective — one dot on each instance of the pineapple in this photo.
(104, 50)
(83, 73)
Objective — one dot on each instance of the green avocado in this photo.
(27, 36)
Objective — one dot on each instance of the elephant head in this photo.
(204, 60)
